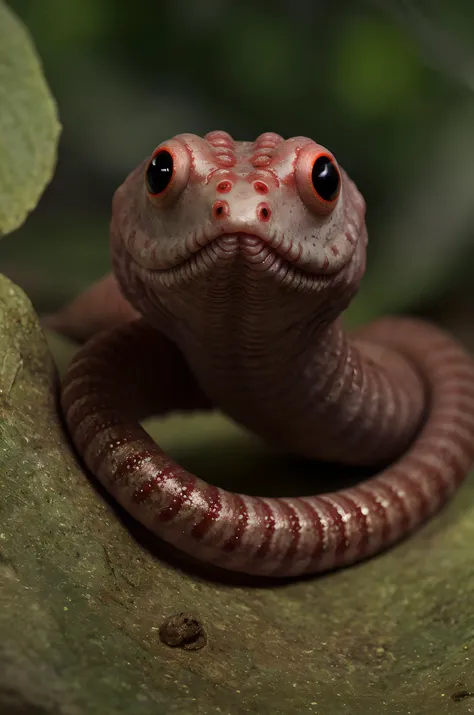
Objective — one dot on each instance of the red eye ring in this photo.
(159, 172)
(325, 179)
(167, 172)
(318, 178)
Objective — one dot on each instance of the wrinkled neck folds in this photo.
(259, 349)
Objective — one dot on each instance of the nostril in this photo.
(220, 209)
(264, 212)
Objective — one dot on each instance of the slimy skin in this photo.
(233, 263)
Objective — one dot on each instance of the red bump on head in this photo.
(220, 138)
(263, 180)
(268, 140)
(224, 145)
(226, 158)
(223, 187)
(260, 187)
(220, 209)
(264, 147)
(260, 159)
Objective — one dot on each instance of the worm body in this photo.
(240, 257)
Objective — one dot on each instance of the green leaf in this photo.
(29, 126)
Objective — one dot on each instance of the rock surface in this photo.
(84, 592)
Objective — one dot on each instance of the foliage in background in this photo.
(29, 128)
(356, 76)
(443, 32)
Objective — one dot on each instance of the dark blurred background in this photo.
(385, 85)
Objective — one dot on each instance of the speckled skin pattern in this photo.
(228, 291)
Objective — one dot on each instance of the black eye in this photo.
(325, 178)
(159, 172)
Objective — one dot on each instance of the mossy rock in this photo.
(84, 591)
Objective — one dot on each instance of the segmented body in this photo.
(400, 390)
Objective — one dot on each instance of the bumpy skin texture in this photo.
(240, 270)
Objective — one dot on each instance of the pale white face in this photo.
(283, 206)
